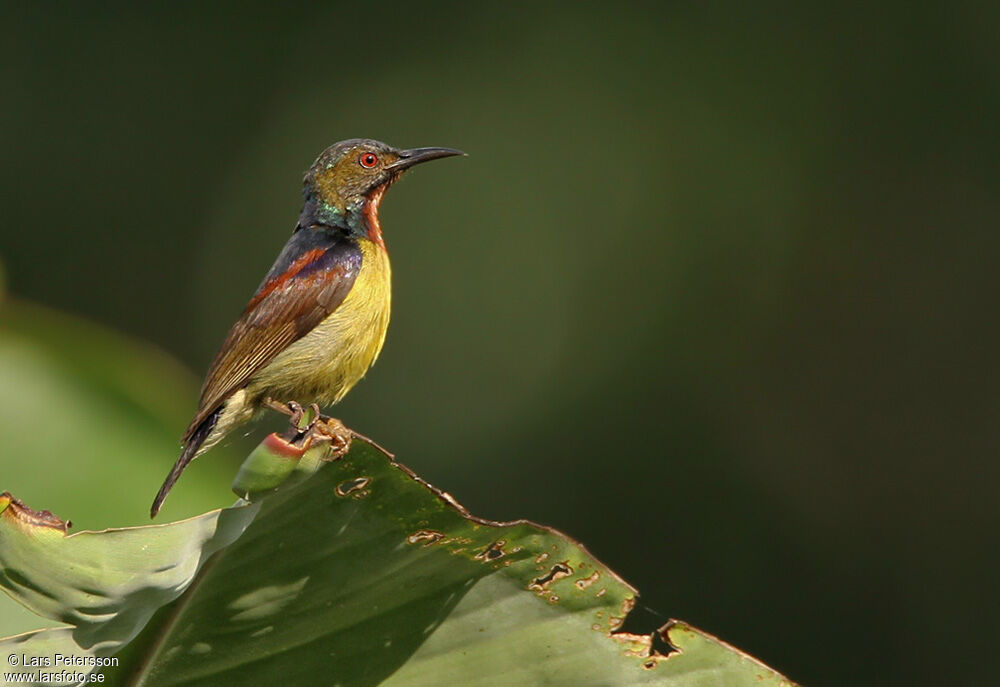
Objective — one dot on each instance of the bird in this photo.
(319, 318)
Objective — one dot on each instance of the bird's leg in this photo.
(295, 414)
(291, 408)
(296, 432)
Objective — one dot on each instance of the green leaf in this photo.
(353, 572)
(105, 584)
(77, 400)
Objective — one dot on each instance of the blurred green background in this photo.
(714, 291)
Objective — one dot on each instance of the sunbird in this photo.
(318, 320)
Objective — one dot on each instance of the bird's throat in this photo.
(370, 214)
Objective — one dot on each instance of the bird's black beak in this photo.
(414, 156)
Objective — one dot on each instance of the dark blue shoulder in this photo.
(327, 248)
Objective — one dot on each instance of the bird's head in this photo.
(345, 185)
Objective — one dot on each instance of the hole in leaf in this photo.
(557, 571)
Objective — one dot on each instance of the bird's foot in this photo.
(319, 427)
(297, 415)
(307, 426)
(336, 432)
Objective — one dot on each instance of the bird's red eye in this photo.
(368, 159)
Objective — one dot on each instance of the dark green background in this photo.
(714, 291)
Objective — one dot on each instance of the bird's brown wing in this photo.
(310, 279)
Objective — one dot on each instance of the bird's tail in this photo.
(191, 446)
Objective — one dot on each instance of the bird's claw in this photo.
(336, 432)
(316, 417)
(296, 413)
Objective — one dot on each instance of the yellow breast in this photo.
(323, 365)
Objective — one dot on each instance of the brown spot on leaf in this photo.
(354, 486)
(634, 644)
(642, 646)
(492, 552)
(427, 536)
(556, 572)
(587, 581)
(652, 648)
(14, 508)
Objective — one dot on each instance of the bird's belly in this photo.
(324, 364)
